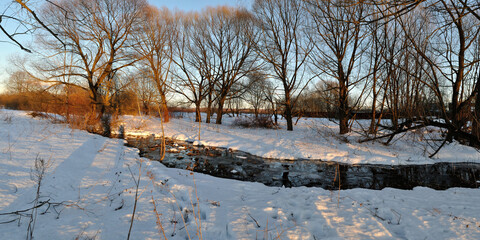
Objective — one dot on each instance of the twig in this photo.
(26, 210)
(159, 223)
(137, 184)
(258, 225)
(37, 174)
(40, 21)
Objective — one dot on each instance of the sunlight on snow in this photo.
(346, 223)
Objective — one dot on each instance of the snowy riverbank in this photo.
(91, 191)
(311, 139)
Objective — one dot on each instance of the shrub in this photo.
(177, 115)
(54, 118)
(262, 121)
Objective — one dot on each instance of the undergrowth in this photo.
(261, 121)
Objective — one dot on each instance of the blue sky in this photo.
(7, 49)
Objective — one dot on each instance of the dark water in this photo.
(239, 165)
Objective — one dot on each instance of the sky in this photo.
(7, 49)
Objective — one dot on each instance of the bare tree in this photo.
(228, 36)
(445, 60)
(320, 100)
(145, 89)
(205, 62)
(328, 94)
(339, 35)
(98, 38)
(456, 37)
(257, 91)
(212, 54)
(154, 48)
(189, 55)
(375, 53)
(284, 46)
(21, 82)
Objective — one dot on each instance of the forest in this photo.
(414, 63)
(268, 119)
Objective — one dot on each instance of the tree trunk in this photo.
(275, 116)
(93, 118)
(274, 112)
(96, 115)
(476, 118)
(343, 123)
(288, 112)
(455, 111)
(102, 118)
(198, 115)
(237, 109)
(106, 119)
(209, 108)
(164, 108)
(146, 108)
(209, 115)
(220, 110)
(476, 112)
(372, 129)
(343, 108)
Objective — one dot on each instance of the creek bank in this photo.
(227, 163)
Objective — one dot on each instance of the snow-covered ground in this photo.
(90, 185)
(312, 138)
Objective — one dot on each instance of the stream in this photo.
(225, 163)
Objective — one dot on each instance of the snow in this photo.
(93, 179)
(311, 139)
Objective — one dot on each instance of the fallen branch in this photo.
(402, 128)
(452, 133)
(26, 210)
(9, 221)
